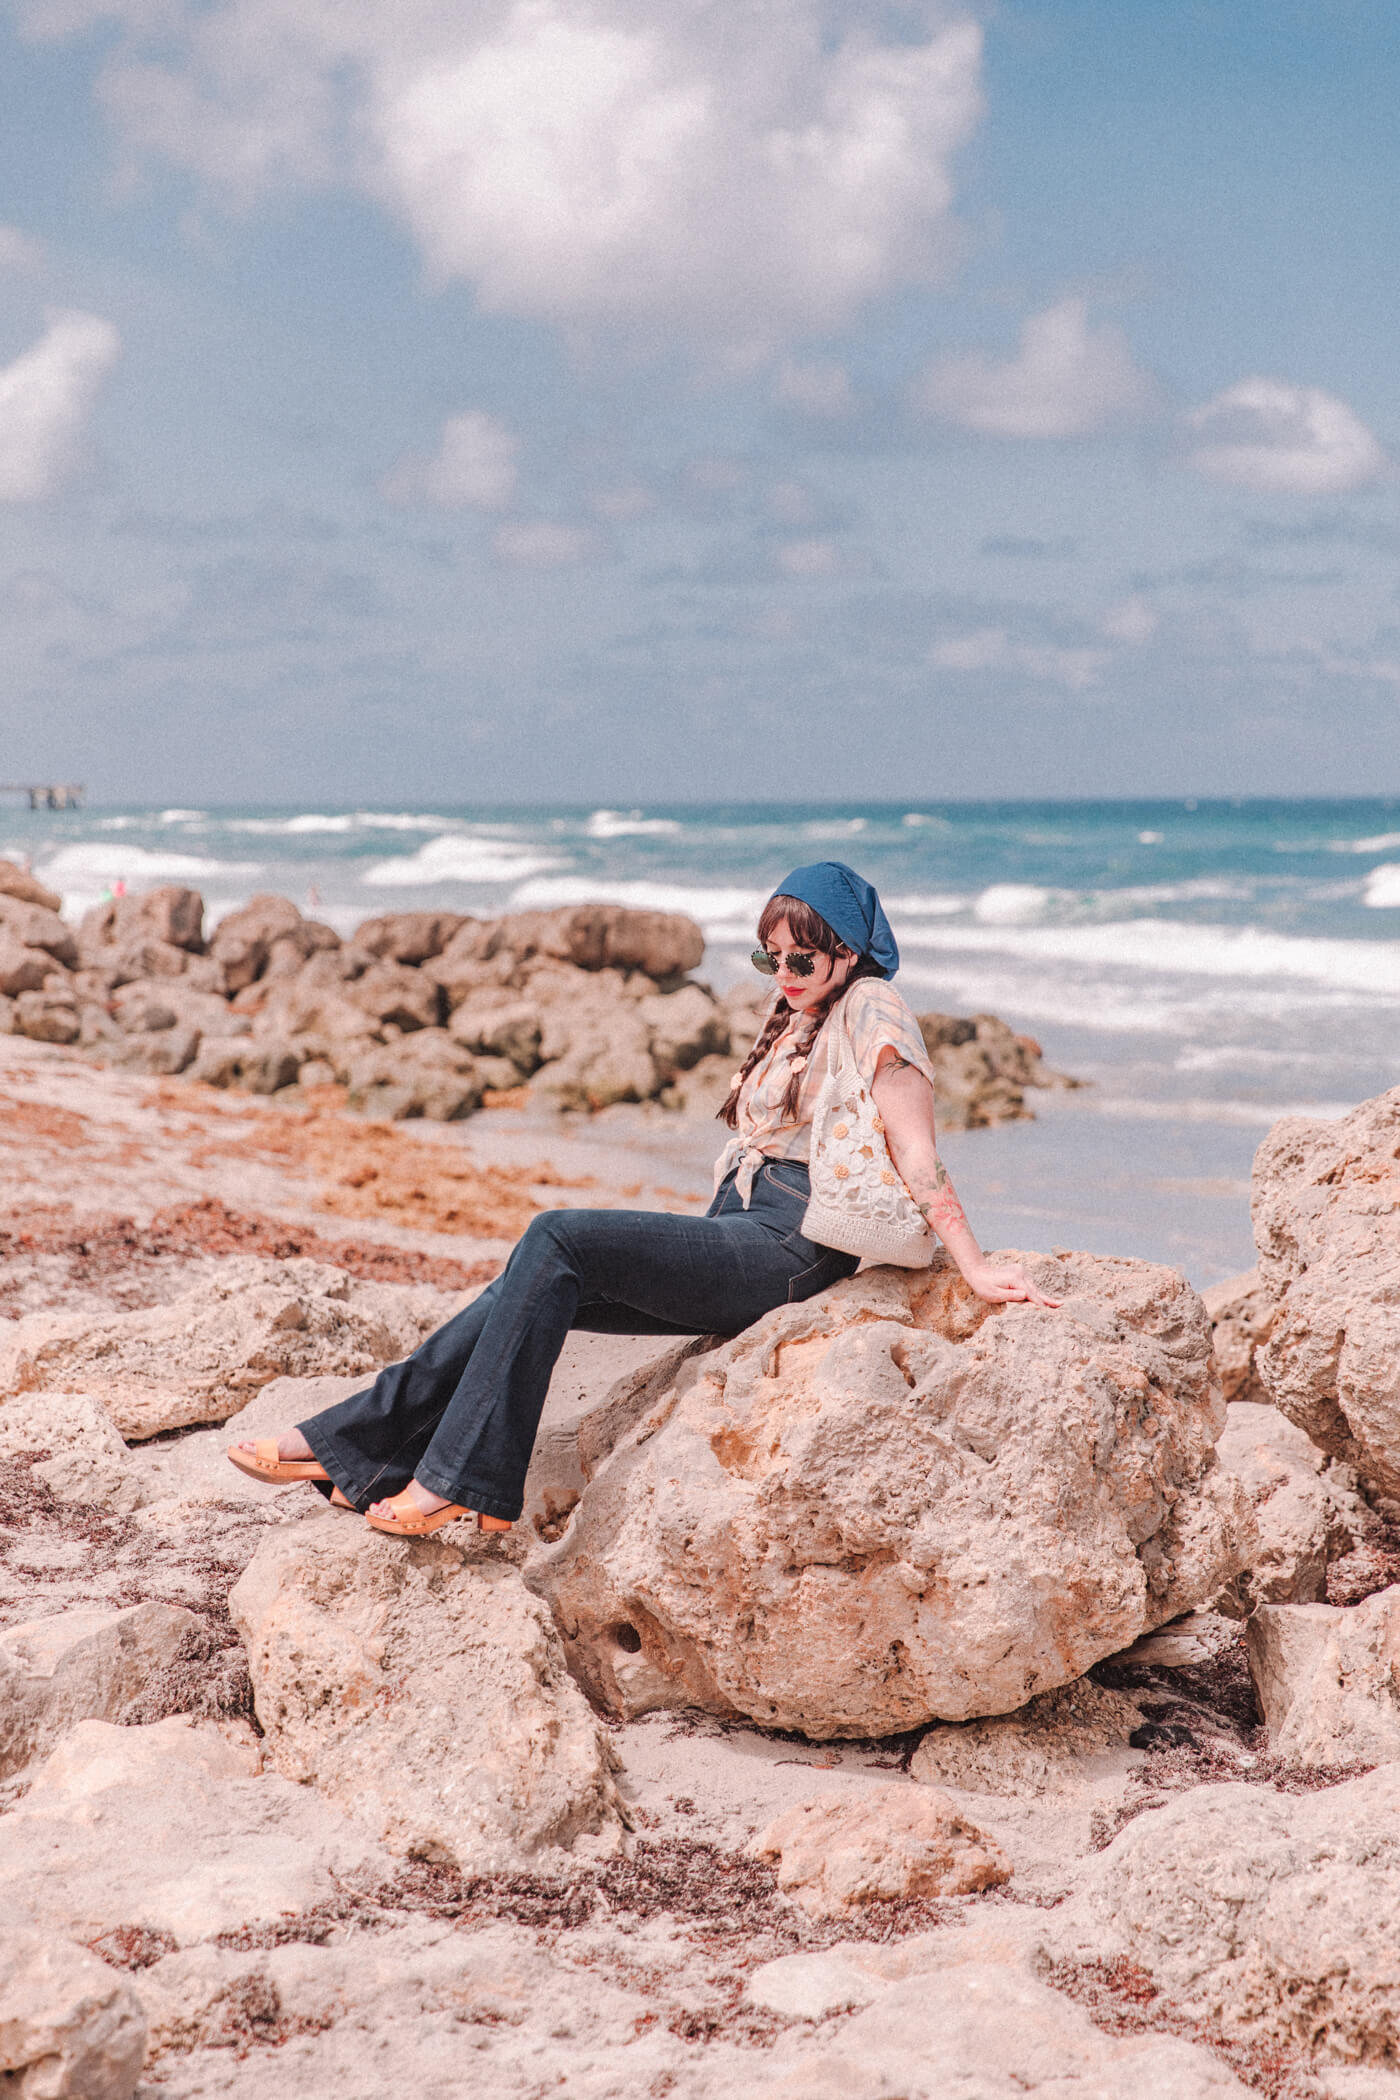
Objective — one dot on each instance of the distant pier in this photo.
(57, 794)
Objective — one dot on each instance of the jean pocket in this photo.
(833, 1267)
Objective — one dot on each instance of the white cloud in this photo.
(993, 649)
(1267, 434)
(19, 251)
(45, 396)
(474, 465)
(810, 557)
(816, 388)
(736, 175)
(620, 504)
(1132, 620)
(1066, 380)
(545, 543)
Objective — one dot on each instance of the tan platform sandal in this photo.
(408, 1521)
(264, 1464)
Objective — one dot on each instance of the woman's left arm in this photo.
(905, 1101)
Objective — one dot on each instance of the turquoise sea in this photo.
(1209, 965)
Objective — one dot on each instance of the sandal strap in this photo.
(265, 1451)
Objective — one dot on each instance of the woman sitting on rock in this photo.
(449, 1432)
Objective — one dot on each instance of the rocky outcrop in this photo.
(1326, 1206)
(428, 1013)
(70, 2027)
(1328, 1679)
(171, 1829)
(1306, 1509)
(982, 1070)
(1241, 1312)
(1269, 1916)
(201, 1357)
(851, 1520)
(80, 1666)
(895, 1844)
(1036, 1751)
(425, 1691)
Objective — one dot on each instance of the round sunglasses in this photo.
(800, 964)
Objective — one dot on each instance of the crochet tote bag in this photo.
(858, 1203)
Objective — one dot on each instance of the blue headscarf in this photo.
(851, 907)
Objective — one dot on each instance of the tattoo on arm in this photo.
(898, 1064)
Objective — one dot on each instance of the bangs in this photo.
(807, 927)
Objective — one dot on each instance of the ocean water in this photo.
(1209, 966)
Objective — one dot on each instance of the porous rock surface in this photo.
(895, 1844)
(1270, 1915)
(77, 1666)
(70, 2027)
(1328, 1679)
(202, 1356)
(891, 1505)
(423, 1688)
(990, 2031)
(1326, 1205)
(1241, 1312)
(171, 1829)
(1036, 1751)
(1306, 1507)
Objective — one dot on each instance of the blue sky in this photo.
(517, 399)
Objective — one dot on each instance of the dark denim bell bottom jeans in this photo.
(460, 1414)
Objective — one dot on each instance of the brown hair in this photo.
(808, 930)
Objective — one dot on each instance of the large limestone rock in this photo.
(424, 1689)
(267, 936)
(1326, 1209)
(80, 1665)
(1328, 1679)
(170, 915)
(70, 2027)
(171, 1829)
(202, 1357)
(1039, 1750)
(1241, 1314)
(1270, 1914)
(893, 1844)
(891, 1504)
(1306, 1510)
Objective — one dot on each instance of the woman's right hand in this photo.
(1007, 1283)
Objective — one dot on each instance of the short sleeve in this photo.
(876, 1014)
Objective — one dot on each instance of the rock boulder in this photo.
(201, 1357)
(423, 1688)
(70, 2027)
(1326, 1206)
(18, 883)
(1241, 1315)
(1269, 1915)
(1305, 1508)
(1036, 1751)
(891, 1504)
(80, 1665)
(893, 1844)
(1328, 1679)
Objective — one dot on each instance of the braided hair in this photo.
(808, 930)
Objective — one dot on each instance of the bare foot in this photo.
(291, 1445)
(423, 1499)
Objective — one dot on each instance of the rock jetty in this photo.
(424, 1013)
